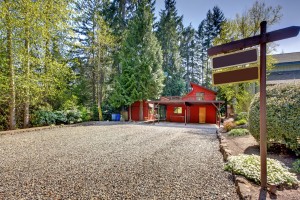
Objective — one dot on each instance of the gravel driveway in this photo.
(106, 161)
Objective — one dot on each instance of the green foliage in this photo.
(141, 61)
(47, 117)
(70, 103)
(60, 117)
(242, 115)
(249, 166)
(243, 26)
(228, 125)
(296, 166)
(107, 110)
(168, 34)
(238, 132)
(43, 118)
(85, 114)
(95, 113)
(283, 111)
(241, 122)
(73, 116)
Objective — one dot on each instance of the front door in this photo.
(202, 115)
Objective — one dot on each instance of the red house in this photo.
(198, 106)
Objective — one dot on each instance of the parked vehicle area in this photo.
(118, 161)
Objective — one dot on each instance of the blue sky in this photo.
(194, 11)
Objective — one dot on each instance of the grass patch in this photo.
(238, 132)
(249, 166)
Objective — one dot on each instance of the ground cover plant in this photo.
(296, 166)
(249, 166)
(238, 132)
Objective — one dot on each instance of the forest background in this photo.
(80, 60)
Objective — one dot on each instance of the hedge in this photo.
(283, 115)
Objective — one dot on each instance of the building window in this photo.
(178, 110)
(200, 96)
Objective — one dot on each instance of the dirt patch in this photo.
(248, 145)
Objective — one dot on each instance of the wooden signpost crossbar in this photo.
(261, 40)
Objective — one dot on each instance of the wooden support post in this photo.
(263, 115)
(185, 116)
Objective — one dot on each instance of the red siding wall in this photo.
(135, 109)
(172, 117)
(194, 109)
(208, 95)
(194, 114)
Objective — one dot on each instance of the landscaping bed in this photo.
(246, 144)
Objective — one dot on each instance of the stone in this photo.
(272, 189)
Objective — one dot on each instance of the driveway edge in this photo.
(243, 187)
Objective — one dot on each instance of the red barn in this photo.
(198, 106)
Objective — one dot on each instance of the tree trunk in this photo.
(27, 74)
(141, 113)
(12, 92)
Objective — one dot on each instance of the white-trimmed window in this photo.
(200, 96)
(177, 110)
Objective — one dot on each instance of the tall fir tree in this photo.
(189, 60)
(95, 44)
(208, 30)
(141, 61)
(169, 33)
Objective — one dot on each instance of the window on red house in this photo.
(200, 96)
(178, 110)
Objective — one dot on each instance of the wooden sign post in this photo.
(226, 77)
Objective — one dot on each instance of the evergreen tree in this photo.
(200, 50)
(189, 60)
(141, 61)
(95, 45)
(208, 30)
(168, 34)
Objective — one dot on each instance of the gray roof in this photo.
(287, 57)
(283, 77)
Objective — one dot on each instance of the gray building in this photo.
(286, 70)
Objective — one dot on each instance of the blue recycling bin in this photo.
(113, 117)
(118, 117)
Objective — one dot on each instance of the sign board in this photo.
(235, 59)
(249, 73)
(236, 76)
(272, 36)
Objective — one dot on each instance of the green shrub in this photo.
(242, 116)
(238, 132)
(283, 111)
(296, 166)
(241, 122)
(228, 125)
(60, 117)
(85, 114)
(73, 116)
(43, 118)
(95, 113)
(249, 166)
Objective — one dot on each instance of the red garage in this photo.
(198, 106)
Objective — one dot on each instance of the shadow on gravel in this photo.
(210, 127)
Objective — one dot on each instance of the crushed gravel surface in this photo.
(123, 161)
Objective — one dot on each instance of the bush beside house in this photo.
(283, 111)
